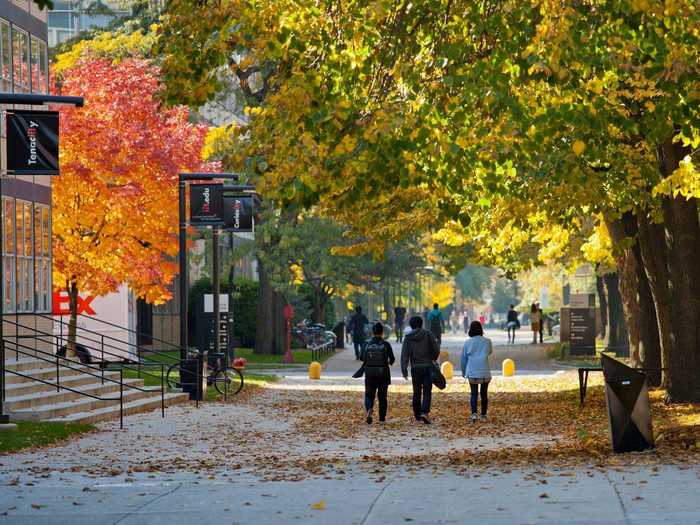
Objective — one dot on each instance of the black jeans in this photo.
(484, 397)
(422, 379)
(358, 343)
(378, 387)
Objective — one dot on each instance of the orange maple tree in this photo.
(115, 204)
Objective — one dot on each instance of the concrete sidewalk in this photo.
(639, 497)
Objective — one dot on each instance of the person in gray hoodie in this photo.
(419, 350)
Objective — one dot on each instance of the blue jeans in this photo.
(422, 379)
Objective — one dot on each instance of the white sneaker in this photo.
(474, 417)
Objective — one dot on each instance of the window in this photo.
(43, 67)
(5, 57)
(20, 60)
(42, 258)
(25, 264)
(8, 255)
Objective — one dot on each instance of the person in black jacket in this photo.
(377, 357)
(419, 350)
(358, 325)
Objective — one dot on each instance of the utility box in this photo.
(629, 413)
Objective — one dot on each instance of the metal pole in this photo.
(4, 418)
(183, 272)
(216, 285)
(162, 390)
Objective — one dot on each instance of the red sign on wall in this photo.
(61, 304)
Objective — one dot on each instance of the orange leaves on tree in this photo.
(115, 203)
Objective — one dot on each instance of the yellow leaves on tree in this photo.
(115, 202)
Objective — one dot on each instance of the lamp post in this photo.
(29, 99)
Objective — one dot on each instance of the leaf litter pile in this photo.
(295, 429)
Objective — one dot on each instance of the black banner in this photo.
(32, 142)
(238, 212)
(206, 204)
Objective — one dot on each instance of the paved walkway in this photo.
(299, 452)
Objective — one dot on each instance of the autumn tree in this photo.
(115, 202)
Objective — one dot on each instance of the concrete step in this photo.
(25, 362)
(30, 387)
(85, 404)
(132, 407)
(49, 374)
(38, 400)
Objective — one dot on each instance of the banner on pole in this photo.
(206, 204)
(32, 142)
(238, 213)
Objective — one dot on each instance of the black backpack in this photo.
(435, 324)
(376, 359)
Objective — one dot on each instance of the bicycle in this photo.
(226, 380)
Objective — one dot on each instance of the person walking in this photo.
(512, 324)
(542, 321)
(377, 357)
(475, 368)
(436, 324)
(419, 351)
(535, 321)
(358, 328)
(465, 323)
(399, 319)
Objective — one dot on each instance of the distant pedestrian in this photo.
(535, 321)
(465, 322)
(436, 324)
(377, 357)
(482, 319)
(419, 351)
(475, 367)
(542, 321)
(399, 320)
(454, 321)
(512, 323)
(359, 325)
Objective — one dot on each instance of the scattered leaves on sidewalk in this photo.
(321, 505)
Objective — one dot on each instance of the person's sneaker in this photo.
(473, 417)
(382, 420)
(426, 419)
(483, 417)
(369, 417)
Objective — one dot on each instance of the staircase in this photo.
(28, 399)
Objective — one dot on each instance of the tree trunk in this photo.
(617, 338)
(671, 252)
(603, 300)
(637, 300)
(73, 319)
(271, 333)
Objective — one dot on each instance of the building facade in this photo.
(69, 18)
(26, 200)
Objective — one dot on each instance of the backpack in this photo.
(435, 324)
(376, 359)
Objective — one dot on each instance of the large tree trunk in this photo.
(271, 333)
(73, 319)
(671, 252)
(616, 335)
(603, 332)
(637, 300)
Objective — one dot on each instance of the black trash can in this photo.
(339, 330)
(629, 413)
(193, 376)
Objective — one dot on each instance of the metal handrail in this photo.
(103, 336)
(114, 325)
(58, 385)
(199, 374)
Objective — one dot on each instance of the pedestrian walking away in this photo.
(476, 369)
(465, 323)
(419, 351)
(535, 321)
(377, 357)
(358, 326)
(512, 324)
(399, 320)
(542, 320)
(436, 324)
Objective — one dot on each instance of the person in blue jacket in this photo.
(475, 367)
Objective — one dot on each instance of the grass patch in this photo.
(39, 434)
